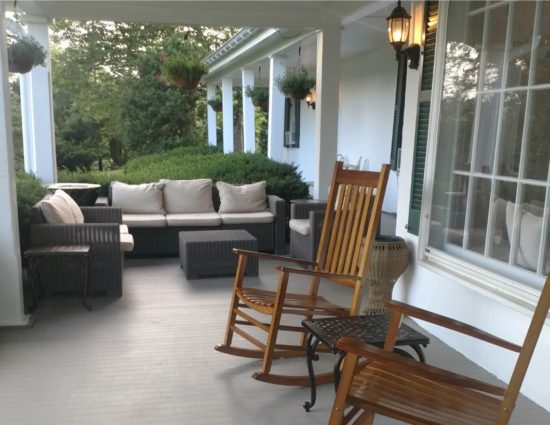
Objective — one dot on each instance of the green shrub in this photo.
(182, 71)
(29, 191)
(202, 162)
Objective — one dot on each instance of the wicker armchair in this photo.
(101, 231)
(306, 221)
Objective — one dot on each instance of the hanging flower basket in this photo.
(182, 72)
(259, 96)
(215, 104)
(24, 53)
(296, 83)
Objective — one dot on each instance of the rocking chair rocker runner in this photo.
(349, 228)
(417, 393)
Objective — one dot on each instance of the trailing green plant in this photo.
(216, 103)
(259, 96)
(29, 191)
(295, 83)
(24, 53)
(182, 71)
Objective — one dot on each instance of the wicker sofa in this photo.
(155, 229)
(101, 230)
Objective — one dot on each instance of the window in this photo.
(491, 185)
(292, 123)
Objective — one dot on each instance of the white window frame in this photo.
(517, 291)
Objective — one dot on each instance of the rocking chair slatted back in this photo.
(346, 237)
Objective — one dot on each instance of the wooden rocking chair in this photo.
(416, 393)
(349, 228)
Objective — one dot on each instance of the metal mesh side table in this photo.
(370, 329)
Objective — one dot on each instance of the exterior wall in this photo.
(302, 156)
(367, 98)
(428, 287)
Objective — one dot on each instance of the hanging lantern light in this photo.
(399, 23)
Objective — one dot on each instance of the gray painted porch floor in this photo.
(148, 358)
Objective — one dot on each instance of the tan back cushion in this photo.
(143, 198)
(187, 196)
(75, 209)
(240, 199)
(56, 210)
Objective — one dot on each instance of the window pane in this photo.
(448, 210)
(519, 55)
(488, 122)
(542, 63)
(511, 134)
(538, 144)
(500, 240)
(528, 221)
(478, 214)
(497, 20)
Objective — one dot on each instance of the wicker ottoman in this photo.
(210, 252)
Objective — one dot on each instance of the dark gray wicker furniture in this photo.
(163, 241)
(371, 329)
(38, 257)
(210, 252)
(101, 231)
(305, 246)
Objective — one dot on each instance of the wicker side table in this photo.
(389, 259)
(210, 252)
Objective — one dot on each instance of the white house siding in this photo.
(367, 98)
(429, 288)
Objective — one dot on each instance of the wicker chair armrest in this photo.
(398, 307)
(75, 234)
(301, 210)
(102, 214)
(277, 208)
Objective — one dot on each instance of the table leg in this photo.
(32, 276)
(84, 259)
(311, 346)
(337, 369)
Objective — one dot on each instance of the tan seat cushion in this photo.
(242, 199)
(254, 217)
(202, 219)
(126, 242)
(187, 196)
(300, 225)
(137, 198)
(56, 210)
(123, 228)
(75, 209)
(144, 220)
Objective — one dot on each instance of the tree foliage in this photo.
(109, 103)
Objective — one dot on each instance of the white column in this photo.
(37, 110)
(249, 129)
(211, 116)
(326, 117)
(276, 120)
(227, 105)
(11, 286)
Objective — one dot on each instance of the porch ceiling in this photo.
(289, 14)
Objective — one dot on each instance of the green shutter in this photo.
(421, 140)
(399, 109)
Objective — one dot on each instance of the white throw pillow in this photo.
(143, 198)
(245, 198)
(57, 211)
(187, 196)
(75, 209)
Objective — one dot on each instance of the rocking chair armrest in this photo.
(446, 322)
(401, 364)
(257, 254)
(327, 275)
